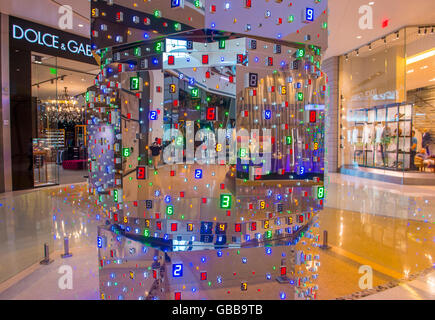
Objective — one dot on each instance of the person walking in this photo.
(155, 152)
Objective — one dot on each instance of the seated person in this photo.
(428, 161)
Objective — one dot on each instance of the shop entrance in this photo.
(59, 151)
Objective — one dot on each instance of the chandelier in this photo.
(64, 109)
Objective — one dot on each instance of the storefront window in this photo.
(382, 112)
(59, 143)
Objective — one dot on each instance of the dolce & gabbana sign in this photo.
(27, 35)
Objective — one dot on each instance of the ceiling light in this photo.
(80, 25)
(420, 56)
(371, 3)
(410, 71)
(424, 67)
(431, 80)
(358, 37)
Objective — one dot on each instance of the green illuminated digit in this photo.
(169, 210)
(320, 192)
(225, 201)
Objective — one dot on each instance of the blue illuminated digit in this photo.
(177, 270)
(198, 173)
(309, 14)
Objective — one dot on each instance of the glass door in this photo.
(48, 137)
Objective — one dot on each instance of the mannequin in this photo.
(426, 140)
(385, 141)
(355, 135)
(378, 129)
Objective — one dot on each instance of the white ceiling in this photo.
(343, 18)
(344, 21)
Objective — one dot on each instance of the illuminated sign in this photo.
(177, 270)
(222, 44)
(211, 114)
(126, 152)
(198, 173)
(153, 115)
(288, 140)
(225, 202)
(308, 15)
(238, 227)
(141, 173)
(135, 83)
(300, 53)
(194, 93)
(221, 228)
(35, 37)
(267, 114)
(169, 210)
(244, 286)
(320, 192)
(313, 116)
(159, 47)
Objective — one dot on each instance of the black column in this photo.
(22, 119)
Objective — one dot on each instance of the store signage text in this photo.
(50, 40)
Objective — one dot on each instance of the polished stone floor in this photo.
(384, 226)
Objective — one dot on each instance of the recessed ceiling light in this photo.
(80, 25)
(371, 3)
(431, 80)
(410, 71)
(424, 67)
(358, 37)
